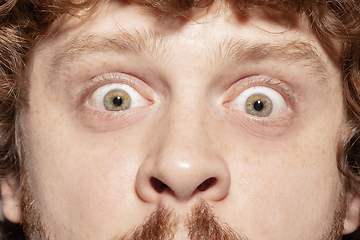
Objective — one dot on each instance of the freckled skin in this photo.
(90, 171)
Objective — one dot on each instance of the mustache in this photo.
(162, 224)
(201, 224)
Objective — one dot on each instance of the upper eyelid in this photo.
(276, 84)
(107, 78)
(269, 81)
(114, 77)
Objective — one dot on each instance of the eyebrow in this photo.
(84, 44)
(298, 53)
(231, 50)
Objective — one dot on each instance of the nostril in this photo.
(158, 185)
(205, 185)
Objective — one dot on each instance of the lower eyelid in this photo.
(102, 121)
(258, 126)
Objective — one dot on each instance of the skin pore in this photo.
(187, 151)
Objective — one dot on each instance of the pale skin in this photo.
(91, 169)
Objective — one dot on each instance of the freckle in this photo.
(246, 159)
(163, 92)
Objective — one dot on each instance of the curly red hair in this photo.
(24, 22)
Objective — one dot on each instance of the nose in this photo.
(185, 163)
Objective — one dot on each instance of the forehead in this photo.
(208, 22)
(224, 35)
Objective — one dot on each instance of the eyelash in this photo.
(109, 78)
(254, 81)
(269, 82)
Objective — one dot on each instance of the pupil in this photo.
(117, 101)
(258, 105)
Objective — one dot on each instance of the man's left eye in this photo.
(259, 101)
(116, 97)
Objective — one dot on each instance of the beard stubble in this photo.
(162, 224)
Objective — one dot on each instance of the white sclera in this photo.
(97, 98)
(278, 102)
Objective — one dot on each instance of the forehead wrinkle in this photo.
(156, 45)
(296, 53)
(135, 42)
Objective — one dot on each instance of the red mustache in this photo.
(201, 224)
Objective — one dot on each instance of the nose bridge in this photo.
(185, 125)
(185, 132)
(185, 163)
(187, 139)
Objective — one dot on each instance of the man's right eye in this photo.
(116, 97)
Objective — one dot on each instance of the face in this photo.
(133, 118)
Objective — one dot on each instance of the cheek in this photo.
(78, 177)
(286, 183)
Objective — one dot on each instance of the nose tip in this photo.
(185, 158)
(157, 179)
